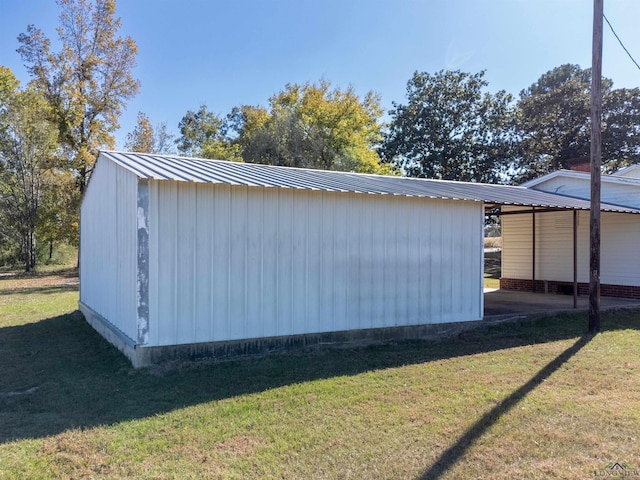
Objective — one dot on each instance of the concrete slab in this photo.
(507, 303)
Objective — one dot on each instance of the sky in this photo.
(241, 52)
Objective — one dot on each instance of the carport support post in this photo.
(533, 250)
(575, 259)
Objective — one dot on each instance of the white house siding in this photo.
(238, 262)
(554, 247)
(613, 193)
(108, 246)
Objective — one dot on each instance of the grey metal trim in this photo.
(142, 282)
(101, 324)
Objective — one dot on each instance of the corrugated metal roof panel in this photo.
(183, 169)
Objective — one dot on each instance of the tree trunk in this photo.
(50, 249)
(29, 242)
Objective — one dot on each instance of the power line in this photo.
(621, 44)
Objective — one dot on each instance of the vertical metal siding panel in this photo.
(213, 292)
(185, 267)
(364, 248)
(284, 249)
(454, 254)
(253, 292)
(355, 252)
(474, 260)
(108, 238)
(424, 263)
(237, 262)
(127, 233)
(245, 263)
(378, 260)
(326, 287)
(221, 231)
(401, 260)
(413, 262)
(202, 255)
(314, 262)
(439, 270)
(154, 262)
(167, 269)
(388, 273)
(468, 272)
(344, 202)
(270, 262)
(448, 252)
(299, 230)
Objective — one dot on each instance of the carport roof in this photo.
(184, 169)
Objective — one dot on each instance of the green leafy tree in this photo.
(451, 129)
(621, 128)
(8, 86)
(202, 134)
(553, 122)
(57, 221)
(313, 125)
(28, 143)
(87, 82)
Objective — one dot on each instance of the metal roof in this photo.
(184, 169)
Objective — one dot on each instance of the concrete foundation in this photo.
(141, 356)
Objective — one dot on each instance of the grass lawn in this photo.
(524, 400)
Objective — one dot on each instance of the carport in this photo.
(501, 302)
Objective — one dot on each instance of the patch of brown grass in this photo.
(14, 281)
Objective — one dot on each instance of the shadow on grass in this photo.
(451, 456)
(58, 373)
(41, 290)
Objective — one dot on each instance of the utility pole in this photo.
(596, 161)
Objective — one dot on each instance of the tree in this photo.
(313, 125)
(621, 128)
(27, 145)
(163, 140)
(552, 120)
(202, 134)
(8, 86)
(87, 82)
(57, 221)
(146, 139)
(553, 117)
(450, 129)
(142, 138)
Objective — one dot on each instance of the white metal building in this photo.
(546, 259)
(186, 257)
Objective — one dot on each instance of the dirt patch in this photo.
(240, 445)
(35, 280)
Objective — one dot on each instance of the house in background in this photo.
(189, 258)
(544, 262)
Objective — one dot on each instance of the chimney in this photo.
(581, 164)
